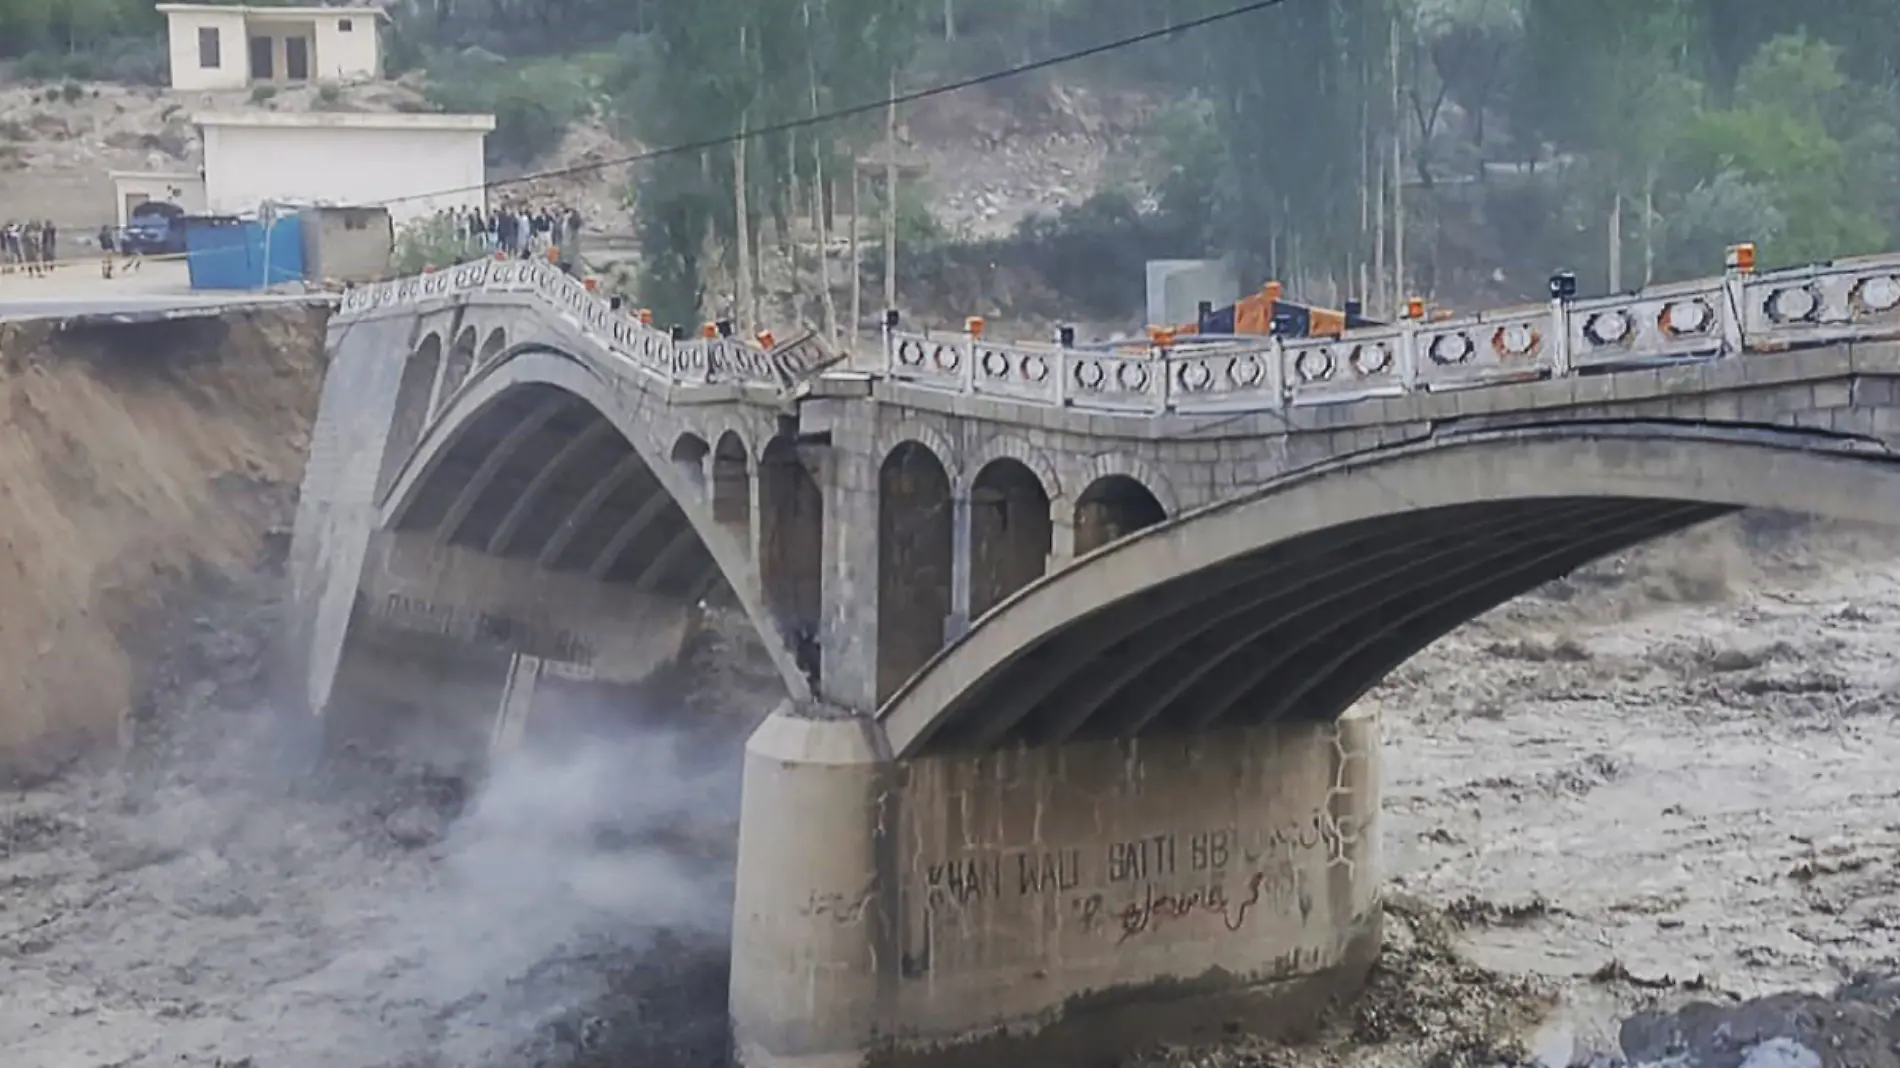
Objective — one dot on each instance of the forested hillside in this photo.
(1625, 139)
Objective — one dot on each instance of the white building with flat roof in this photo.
(416, 164)
(134, 188)
(232, 46)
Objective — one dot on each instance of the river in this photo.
(1667, 780)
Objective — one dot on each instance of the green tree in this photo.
(1816, 146)
(1295, 96)
(712, 69)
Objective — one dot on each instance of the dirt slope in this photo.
(135, 464)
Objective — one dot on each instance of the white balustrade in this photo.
(1737, 313)
(691, 362)
(1020, 372)
(1226, 378)
(935, 361)
(1355, 366)
(1847, 300)
(1490, 348)
(1113, 381)
(1667, 322)
(647, 348)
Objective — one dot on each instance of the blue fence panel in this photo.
(280, 258)
(226, 253)
(216, 254)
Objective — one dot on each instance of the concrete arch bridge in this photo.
(1071, 640)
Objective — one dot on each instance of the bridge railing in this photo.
(1823, 303)
(1732, 315)
(651, 350)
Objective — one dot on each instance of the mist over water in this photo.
(224, 895)
(1694, 718)
(566, 871)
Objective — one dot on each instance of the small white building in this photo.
(133, 188)
(416, 164)
(232, 46)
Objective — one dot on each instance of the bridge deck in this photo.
(1705, 319)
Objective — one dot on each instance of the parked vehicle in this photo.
(155, 229)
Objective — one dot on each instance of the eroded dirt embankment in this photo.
(136, 464)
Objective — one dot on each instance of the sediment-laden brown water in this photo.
(1669, 779)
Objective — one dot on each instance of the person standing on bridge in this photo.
(30, 248)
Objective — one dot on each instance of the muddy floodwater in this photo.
(1668, 780)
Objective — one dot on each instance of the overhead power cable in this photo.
(855, 110)
(883, 103)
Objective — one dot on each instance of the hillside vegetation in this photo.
(1629, 140)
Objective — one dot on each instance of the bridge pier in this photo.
(1037, 905)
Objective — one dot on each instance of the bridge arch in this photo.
(1113, 507)
(1291, 602)
(918, 432)
(690, 454)
(1014, 447)
(732, 485)
(541, 462)
(791, 548)
(493, 348)
(1011, 532)
(916, 541)
(460, 364)
(1148, 475)
(415, 396)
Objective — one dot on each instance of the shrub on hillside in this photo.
(131, 60)
(1091, 257)
(438, 242)
(533, 103)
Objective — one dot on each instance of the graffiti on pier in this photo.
(961, 882)
(1317, 831)
(489, 628)
(1051, 872)
(1231, 900)
(1159, 856)
(841, 908)
(1135, 886)
(988, 876)
(1154, 909)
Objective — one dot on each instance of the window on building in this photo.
(209, 53)
(344, 26)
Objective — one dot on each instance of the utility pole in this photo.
(821, 192)
(1398, 183)
(890, 196)
(857, 255)
(748, 311)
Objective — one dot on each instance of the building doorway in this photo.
(296, 59)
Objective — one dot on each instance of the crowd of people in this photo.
(516, 228)
(31, 246)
